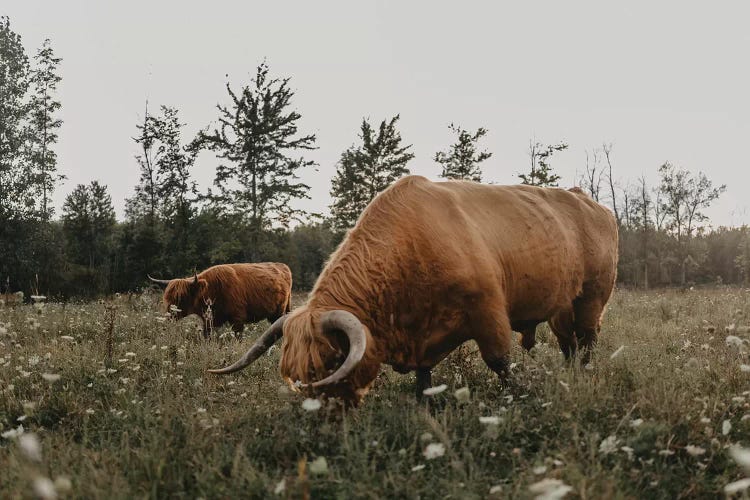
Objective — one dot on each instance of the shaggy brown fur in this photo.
(237, 294)
(430, 265)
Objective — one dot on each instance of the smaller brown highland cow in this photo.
(233, 293)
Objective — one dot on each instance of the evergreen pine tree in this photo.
(461, 161)
(88, 224)
(366, 169)
(541, 173)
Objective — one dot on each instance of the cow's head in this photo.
(329, 353)
(183, 296)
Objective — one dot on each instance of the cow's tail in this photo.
(289, 294)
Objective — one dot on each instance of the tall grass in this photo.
(134, 414)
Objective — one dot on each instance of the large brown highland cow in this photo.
(430, 265)
(233, 293)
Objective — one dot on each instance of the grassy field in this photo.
(133, 414)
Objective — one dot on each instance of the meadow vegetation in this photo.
(133, 413)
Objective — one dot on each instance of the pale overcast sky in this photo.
(659, 80)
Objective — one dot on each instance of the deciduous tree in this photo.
(258, 137)
(43, 125)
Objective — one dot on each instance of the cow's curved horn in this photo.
(260, 346)
(161, 282)
(353, 328)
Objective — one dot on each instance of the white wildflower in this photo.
(741, 456)
(462, 395)
(129, 354)
(13, 433)
(417, 467)
(609, 445)
(539, 470)
(726, 427)
(636, 422)
(425, 437)
(431, 391)
(737, 486)
(734, 341)
(34, 360)
(51, 377)
(30, 446)
(311, 404)
(90, 411)
(617, 352)
(496, 489)
(694, 451)
(319, 466)
(628, 450)
(434, 450)
(549, 489)
(44, 488)
(63, 484)
(280, 487)
(490, 420)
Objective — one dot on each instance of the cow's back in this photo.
(539, 246)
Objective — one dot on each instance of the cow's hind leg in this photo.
(588, 315)
(424, 381)
(562, 326)
(528, 338)
(237, 328)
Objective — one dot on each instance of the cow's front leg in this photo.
(237, 328)
(494, 338)
(424, 381)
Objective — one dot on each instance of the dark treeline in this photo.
(171, 228)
